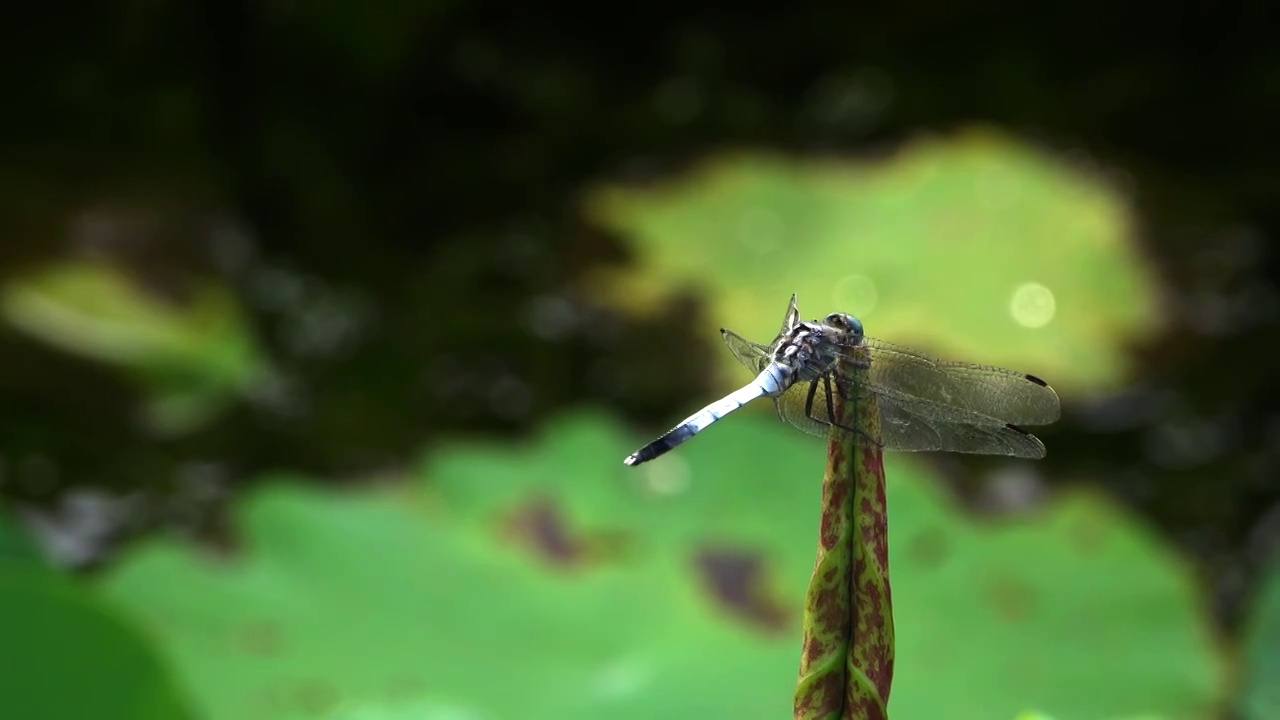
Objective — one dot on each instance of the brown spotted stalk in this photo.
(846, 664)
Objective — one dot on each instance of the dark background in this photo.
(413, 169)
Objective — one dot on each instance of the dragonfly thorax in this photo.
(809, 350)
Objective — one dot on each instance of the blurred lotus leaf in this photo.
(16, 546)
(190, 356)
(1262, 652)
(976, 247)
(550, 581)
(67, 656)
(1076, 610)
(1032, 715)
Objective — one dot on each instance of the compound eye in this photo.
(836, 320)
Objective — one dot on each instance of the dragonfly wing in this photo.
(997, 394)
(791, 407)
(909, 424)
(753, 356)
(903, 427)
(791, 318)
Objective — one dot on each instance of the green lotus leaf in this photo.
(976, 247)
(1262, 651)
(68, 655)
(547, 580)
(16, 546)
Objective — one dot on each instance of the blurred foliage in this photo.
(581, 588)
(424, 164)
(1076, 610)
(67, 654)
(1262, 651)
(976, 246)
(401, 185)
(188, 357)
(16, 546)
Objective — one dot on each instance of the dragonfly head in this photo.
(845, 323)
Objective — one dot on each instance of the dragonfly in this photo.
(925, 404)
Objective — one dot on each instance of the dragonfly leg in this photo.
(808, 401)
(847, 389)
(829, 419)
(850, 362)
(831, 411)
(844, 393)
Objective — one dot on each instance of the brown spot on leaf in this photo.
(812, 651)
(268, 701)
(873, 604)
(262, 638)
(824, 698)
(1088, 534)
(1013, 599)
(874, 531)
(873, 461)
(833, 519)
(538, 525)
(316, 697)
(738, 582)
(871, 646)
(862, 706)
(831, 608)
(406, 688)
(830, 575)
(928, 548)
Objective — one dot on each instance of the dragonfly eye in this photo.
(842, 321)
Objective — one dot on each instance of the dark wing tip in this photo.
(1037, 450)
(1037, 381)
(724, 330)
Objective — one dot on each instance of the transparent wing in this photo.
(932, 389)
(791, 408)
(925, 403)
(753, 356)
(914, 426)
(904, 428)
(790, 319)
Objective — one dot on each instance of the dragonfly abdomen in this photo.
(771, 381)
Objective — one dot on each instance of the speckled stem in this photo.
(846, 665)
